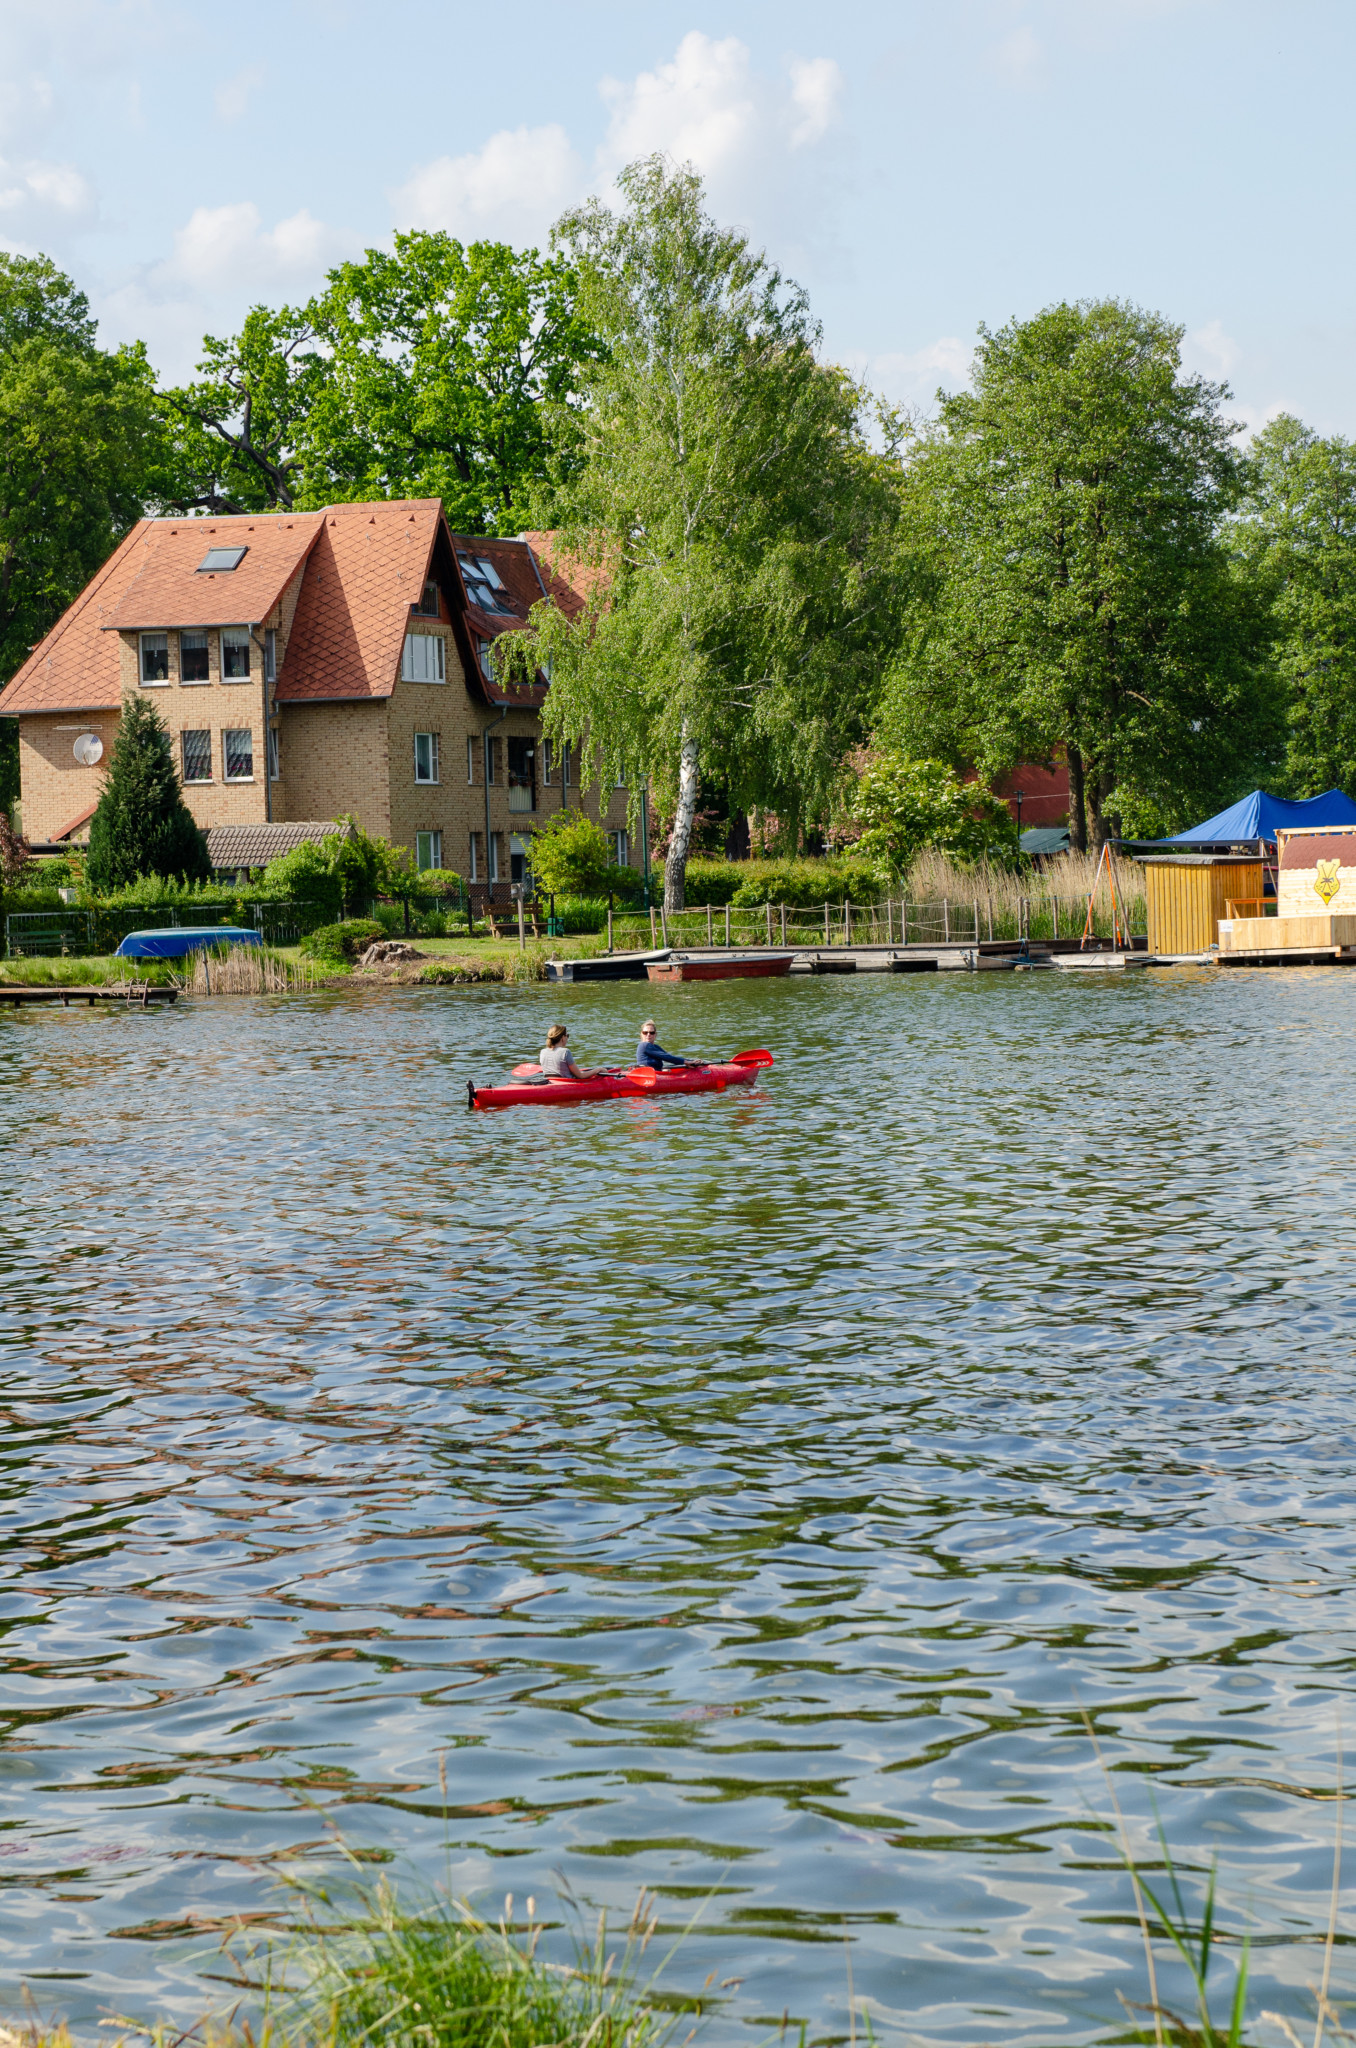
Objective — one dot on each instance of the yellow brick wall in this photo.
(54, 785)
(335, 764)
(212, 706)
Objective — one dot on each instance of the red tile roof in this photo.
(368, 568)
(169, 589)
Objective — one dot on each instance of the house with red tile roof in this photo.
(311, 665)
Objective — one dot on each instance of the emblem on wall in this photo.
(1326, 883)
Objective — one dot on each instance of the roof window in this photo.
(482, 583)
(221, 559)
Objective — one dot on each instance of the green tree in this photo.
(1297, 540)
(903, 805)
(571, 856)
(719, 511)
(1076, 593)
(442, 361)
(142, 825)
(240, 430)
(80, 435)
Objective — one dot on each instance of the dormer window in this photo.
(427, 606)
(217, 561)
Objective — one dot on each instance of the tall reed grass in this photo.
(247, 971)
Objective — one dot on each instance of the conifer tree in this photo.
(142, 825)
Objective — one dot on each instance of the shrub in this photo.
(582, 913)
(571, 856)
(305, 874)
(801, 884)
(342, 941)
(905, 805)
(142, 825)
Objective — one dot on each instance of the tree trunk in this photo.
(675, 866)
(1078, 817)
(1100, 785)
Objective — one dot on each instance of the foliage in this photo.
(903, 805)
(238, 430)
(720, 513)
(442, 360)
(800, 884)
(79, 434)
(17, 865)
(1073, 588)
(570, 856)
(1297, 539)
(307, 873)
(343, 941)
(142, 825)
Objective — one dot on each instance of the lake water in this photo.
(746, 1495)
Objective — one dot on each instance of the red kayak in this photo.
(631, 1081)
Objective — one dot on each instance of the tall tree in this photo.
(1298, 539)
(442, 360)
(719, 511)
(80, 436)
(142, 825)
(241, 428)
(1069, 510)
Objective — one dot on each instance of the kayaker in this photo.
(557, 1061)
(650, 1053)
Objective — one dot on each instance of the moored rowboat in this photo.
(737, 967)
(738, 1072)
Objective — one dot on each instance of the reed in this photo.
(247, 971)
(1040, 896)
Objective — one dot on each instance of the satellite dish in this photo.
(88, 749)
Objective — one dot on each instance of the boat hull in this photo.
(716, 970)
(637, 1081)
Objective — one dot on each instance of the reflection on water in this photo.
(748, 1495)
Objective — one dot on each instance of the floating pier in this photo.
(18, 994)
(986, 957)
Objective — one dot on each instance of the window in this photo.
(470, 757)
(428, 850)
(565, 766)
(155, 657)
(237, 748)
(197, 755)
(522, 775)
(620, 848)
(235, 654)
(486, 660)
(424, 660)
(428, 604)
(274, 769)
(491, 760)
(426, 757)
(546, 760)
(473, 870)
(219, 560)
(270, 656)
(193, 658)
(483, 586)
(520, 860)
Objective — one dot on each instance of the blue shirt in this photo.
(651, 1054)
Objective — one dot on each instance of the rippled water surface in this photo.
(746, 1495)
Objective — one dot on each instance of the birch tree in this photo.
(717, 518)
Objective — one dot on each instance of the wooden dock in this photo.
(137, 997)
(986, 957)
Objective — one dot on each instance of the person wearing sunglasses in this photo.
(650, 1053)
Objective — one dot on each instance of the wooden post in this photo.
(826, 924)
(727, 925)
(847, 920)
(663, 924)
(989, 901)
(609, 923)
(710, 935)
(976, 920)
(1054, 914)
(783, 924)
(946, 919)
(522, 934)
(653, 939)
(903, 922)
(769, 920)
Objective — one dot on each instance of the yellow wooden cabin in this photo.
(1188, 894)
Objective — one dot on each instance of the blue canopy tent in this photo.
(180, 939)
(1253, 820)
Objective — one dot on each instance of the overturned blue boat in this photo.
(173, 943)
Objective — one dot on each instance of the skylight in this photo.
(482, 582)
(221, 558)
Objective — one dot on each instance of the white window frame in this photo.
(473, 867)
(410, 668)
(435, 850)
(196, 781)
(156, 643)
(621, 847)
(471, 759)
(565, 765)
(237, 636)
(274, 755)
(494, 857)
(486, 664)
(488, 738)
(429, 780)
(234, 731)
(271, 656)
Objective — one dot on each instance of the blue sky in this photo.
(919, 167)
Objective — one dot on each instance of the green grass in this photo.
(94, 971)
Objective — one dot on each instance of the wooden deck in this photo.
(18, 994)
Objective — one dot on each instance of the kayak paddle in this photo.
(756, 1058)
(528, 1067)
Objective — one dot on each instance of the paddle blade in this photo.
(528, 1067)
(756, 1058)
(643, 1077)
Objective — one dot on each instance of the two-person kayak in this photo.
(738, 1072)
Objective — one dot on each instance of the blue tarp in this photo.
(1257, 816)
(181, 939)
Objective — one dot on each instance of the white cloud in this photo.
(1019, 57)
(233, 94)
(227, 248)
(1210, 350)
(37, 195)
(510, 190)
(913, 377)
(816, 89)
